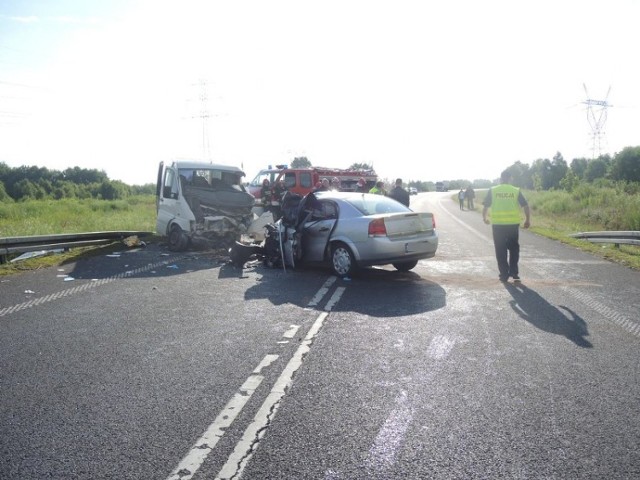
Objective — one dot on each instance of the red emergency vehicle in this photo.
(304, 180)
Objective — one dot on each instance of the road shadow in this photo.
(369, 288)
(229, 270)
(370, 291)
(152, 261)
(561, 320)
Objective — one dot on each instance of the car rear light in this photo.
(433, 221)
(377, 228)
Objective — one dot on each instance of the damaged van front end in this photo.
(203, 205)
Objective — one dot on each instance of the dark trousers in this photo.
(505, 241)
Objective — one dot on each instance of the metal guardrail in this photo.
(617, 238)
(12, 245)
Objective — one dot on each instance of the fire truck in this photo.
(304, 180)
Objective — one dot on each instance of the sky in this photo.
(423, 90)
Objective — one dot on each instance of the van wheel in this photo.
(343, 263)
(178, 240)
(405, 266)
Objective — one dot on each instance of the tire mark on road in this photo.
(608, 313)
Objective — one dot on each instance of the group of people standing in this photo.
(397, 192)
(469, 195)
(325, 185)
(272, 197)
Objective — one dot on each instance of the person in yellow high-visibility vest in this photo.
(378, 189)
(505, 202)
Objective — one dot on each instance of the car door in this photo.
(317, 230)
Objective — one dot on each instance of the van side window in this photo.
(170, 188)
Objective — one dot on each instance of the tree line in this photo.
(556, 174)
(545, 174)
(40, 183)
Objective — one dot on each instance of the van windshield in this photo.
(211, 178)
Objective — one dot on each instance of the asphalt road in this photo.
(145, 365)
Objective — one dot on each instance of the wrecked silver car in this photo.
(346, 231)
(202, 204)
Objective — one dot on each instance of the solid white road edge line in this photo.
(322, 292)
(471, 229)
(249, 442)
(206, 443)
(334, 298)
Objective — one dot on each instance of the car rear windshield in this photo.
(372, 204)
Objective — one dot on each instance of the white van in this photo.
(202, 204)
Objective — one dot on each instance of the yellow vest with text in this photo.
(505, 208)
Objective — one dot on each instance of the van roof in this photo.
(207, 165)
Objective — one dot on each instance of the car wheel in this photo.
(343, 263)
(178, 240)
(405, 266)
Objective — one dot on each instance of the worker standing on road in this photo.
(469, 195)
(505, 202)
(324, 186)
(378, 189)
(279, 190)
(461, 199)
(361, 187)
(400, 194)
(265, 194)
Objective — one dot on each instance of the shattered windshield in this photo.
(211, 178)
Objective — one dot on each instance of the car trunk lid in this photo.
(407, 224)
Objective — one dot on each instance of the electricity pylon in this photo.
(597, 117)
(204, 116)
